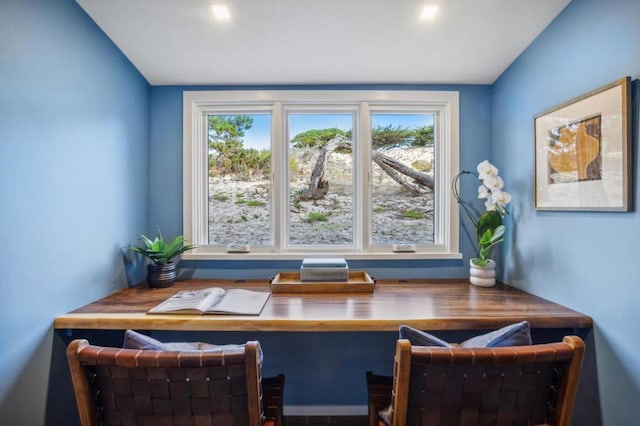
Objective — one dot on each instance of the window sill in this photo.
(195, 255)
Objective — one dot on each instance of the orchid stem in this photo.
(456, 194)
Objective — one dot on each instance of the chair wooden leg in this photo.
(379, 390)
(272, 398)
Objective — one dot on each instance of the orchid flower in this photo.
(486, 169)
(489, 227)
(501, 197)
(489, 205)
(493, 183)
(483, 192)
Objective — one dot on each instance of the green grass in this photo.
(316, 217)
(333, 227)
(413, 214)
(221, 198)
(379, 209)
(241, 201)
(255, 203)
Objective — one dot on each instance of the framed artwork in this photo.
(582, 152)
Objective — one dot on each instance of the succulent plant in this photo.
(160, 251)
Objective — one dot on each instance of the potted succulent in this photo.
(161, 271)
(489, 227)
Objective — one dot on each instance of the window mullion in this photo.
(195, 162)
(364, 177)
(277, 176)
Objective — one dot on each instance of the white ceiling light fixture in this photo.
(429, 12)
(221, 12)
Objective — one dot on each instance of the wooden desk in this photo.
(424, 304)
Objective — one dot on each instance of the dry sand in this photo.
(239, 210)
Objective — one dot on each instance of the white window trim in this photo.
(197, 104)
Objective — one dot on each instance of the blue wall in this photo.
(584, 260)
(74, 131)
(166, 181)
(90, 156)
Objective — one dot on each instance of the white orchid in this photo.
(498, 200)
(486, 169)
(493, 183)
(483, 192)
(490, 205)
(491, 191)
(501, 197)
(489, 227)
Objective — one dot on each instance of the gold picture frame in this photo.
(582, 152)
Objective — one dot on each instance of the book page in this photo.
(241, 302)
(190, 300)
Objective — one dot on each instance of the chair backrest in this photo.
(130, 386)
(523, 385)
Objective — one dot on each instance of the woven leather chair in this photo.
(145, 387)
(517, 385)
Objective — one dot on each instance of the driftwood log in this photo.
(318, 186)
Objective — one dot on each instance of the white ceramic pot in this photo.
(482, 276)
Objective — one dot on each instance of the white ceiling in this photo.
(322, 41)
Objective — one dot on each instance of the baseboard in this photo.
(325, 410)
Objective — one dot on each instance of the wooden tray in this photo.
(289, 282)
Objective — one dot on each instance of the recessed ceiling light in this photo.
(221, 12)
(429, 11)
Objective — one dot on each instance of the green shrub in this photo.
(231, 157)
(422, 165)
(316, 217)
(413, 214)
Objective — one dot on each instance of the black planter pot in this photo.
(161, 276)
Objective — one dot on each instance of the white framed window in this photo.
(282, 174)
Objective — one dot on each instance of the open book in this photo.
(214, 300)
